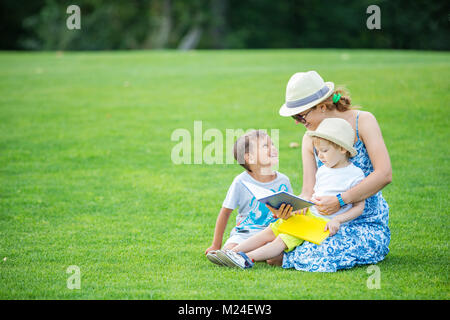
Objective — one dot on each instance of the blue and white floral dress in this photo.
(364, 240)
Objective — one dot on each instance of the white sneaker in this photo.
(212, 256)
(235, 259)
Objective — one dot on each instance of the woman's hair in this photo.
(243, 145)
(344, 103)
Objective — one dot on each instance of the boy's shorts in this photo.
(239, 237)
(290, 241)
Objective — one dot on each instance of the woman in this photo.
(364, 240)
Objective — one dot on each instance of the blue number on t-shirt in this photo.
(260, 214)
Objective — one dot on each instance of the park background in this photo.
(85, 140)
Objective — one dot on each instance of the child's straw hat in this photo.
(303, 91)
(338, 131)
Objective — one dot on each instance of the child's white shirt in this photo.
(330, 182)
(253, 216)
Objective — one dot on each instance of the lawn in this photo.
(87, 177)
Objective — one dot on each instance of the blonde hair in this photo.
(316, 141)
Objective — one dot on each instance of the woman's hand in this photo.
(333, 225)
(284, 212)
(304, 210)
(326, 205)
(301, 211)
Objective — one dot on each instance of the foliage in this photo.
(147, 24)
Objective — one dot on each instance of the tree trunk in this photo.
(161, 24)
(191, 39)
(218, 23)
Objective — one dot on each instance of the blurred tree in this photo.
(12, 13)
(218, 26)
(160, 14)
(189, 24)
(192, 20)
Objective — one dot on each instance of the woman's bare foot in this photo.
(277, 261)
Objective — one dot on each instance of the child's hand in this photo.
(284, 212)
(301, 211)
(212, 248)
(332, 225)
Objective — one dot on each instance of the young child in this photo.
(333, 141)
(256, 153)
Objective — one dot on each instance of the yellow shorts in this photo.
(290, 241)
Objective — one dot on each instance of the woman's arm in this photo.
(309, 180)
(221, 224)
(309, 168)
(370, 134)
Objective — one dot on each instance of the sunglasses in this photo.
(301, 118)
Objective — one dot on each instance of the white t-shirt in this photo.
(253, 216)
(330, 182)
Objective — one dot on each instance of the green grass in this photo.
(87, 178)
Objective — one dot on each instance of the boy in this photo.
(333, 142)
(256, 153)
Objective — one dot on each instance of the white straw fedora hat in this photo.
(303, 91)
(338, 131)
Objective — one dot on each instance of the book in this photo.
(276, 199)
(307, 227)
